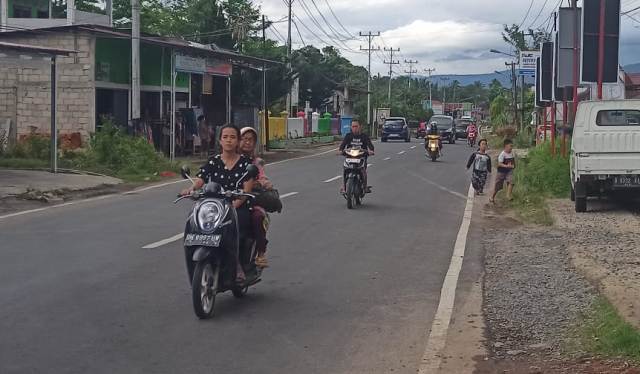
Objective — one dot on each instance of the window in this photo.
(21, 11)
(618, 118)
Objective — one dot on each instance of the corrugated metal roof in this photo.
(181, 44)
(36, 49)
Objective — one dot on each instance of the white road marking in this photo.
(443, 188)
(56, 206)
(288, 195)
(432, 358)
(414, 147)
(369, 165)
(25, 212)
(302, 158)
(162, 242)
(179, 236)
(387, 159)
(333, 179)
(153, 187)
(401, 153)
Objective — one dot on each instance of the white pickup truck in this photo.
(605, 150)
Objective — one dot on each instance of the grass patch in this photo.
(538, 177)
(604, 333)
(23, 163)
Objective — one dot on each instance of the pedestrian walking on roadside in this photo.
(481, 163)
(506, 164)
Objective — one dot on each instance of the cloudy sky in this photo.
(452, 36)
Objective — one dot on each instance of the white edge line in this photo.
(25, 212)
(303, 157)
(432, 357)
(177, 237)
(333, 179)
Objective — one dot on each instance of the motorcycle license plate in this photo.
(626, 181)
(353, 160)
(202, 240)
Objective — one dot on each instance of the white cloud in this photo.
(454, 36)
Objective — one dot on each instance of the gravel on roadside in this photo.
(532, 293)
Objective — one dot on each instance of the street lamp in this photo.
(502, 53)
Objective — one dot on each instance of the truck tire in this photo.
(581, 204)
(573, 194)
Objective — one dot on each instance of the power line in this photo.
(391, 63)
(338, 36)
(527, 14)
(299, 34)
(337, 19)
(315, 22)
(539, 14)
(411, 70)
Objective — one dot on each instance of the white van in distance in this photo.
(605, 150)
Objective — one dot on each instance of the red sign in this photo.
(217, 67)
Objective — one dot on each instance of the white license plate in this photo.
(203, 240)
(353, 160)
(394, 135)
(626, 181)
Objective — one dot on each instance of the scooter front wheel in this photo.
(204, 288)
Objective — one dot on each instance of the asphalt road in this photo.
(347, 292)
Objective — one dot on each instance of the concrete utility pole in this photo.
(370, 35)
(411, 71)
(514, 92)
(135, 59)
(265, 110)
(290, 4)
(391, 63)
(444, 93)
(429, 71)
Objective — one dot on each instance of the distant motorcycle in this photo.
(355, 164)
(211, 240)
(432, 145)
(471, 139)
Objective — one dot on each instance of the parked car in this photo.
(605, 150)
(446, 127)
(396, 128)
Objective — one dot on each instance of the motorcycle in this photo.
(354, 165)
(211, 241)
(432, 145)
(471, 139)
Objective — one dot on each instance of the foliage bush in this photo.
(537, 177)
(115, 153)
(34, 146)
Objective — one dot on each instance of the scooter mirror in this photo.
(185, 172)
(252, 171)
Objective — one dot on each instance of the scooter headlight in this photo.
(209, 215)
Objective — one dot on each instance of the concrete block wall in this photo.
(25, 86)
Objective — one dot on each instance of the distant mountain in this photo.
(633, 68)
(504, 77)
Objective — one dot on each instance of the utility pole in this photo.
(429, 71)
(290, 4)
(411, 71)
(391, 63)
(265, 110)
(135, 59)
(370, 35)
(444, 93)
(514, 90)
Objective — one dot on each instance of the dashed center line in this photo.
(369, 165)
(414, 147)
(288, 195)
(387, 159)
(402, 152)
(333, 179)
